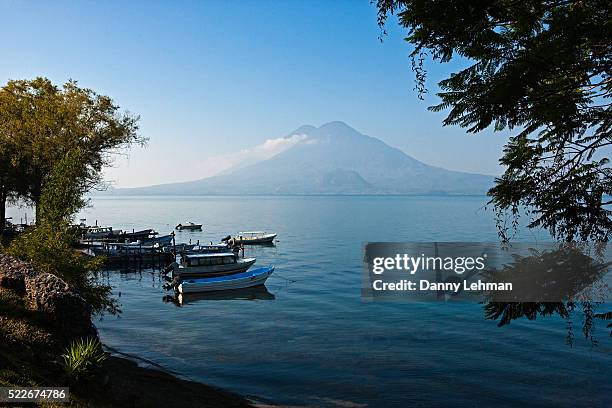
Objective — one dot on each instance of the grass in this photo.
(83, 358)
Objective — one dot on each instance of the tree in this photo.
(540, 68)
(11, 169)
(50, 245)
(45, 122)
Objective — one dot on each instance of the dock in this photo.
(139, 260)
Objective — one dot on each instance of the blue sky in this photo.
(210, 79)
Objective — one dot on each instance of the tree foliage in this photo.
(543, 70)
(50, 245)
(40, 122)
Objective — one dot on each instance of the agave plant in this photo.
(83, 358)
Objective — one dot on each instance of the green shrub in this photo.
(49, 246)
(83, 359)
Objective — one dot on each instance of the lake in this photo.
(310, 340)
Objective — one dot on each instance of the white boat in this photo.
(253, 237)
(242, 280)
(189, 226)
(210, 264)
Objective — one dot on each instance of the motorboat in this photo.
(190, 226)
(253, 237)
(142, 235)
(210, 264)
(248, 279)
(160, 241)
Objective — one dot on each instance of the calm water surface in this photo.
(310, 340)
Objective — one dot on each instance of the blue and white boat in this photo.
(254, 277)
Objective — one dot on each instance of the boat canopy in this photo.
(252, 232)
(99, 229)
(210, 255)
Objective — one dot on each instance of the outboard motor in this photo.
(172, 267)
(226, 238)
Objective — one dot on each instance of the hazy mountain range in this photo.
(331, 159)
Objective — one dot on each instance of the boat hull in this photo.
(268, 239)
(236, 281)
(194, 227)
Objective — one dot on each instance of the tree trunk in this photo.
(37, 211)
(35, 196)
(3, 195)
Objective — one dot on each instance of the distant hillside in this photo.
(332, 159)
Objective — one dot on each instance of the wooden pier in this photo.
(139, 260)
(132, 258)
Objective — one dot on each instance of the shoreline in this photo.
(131, 385)
(146, 368)
(40, 315)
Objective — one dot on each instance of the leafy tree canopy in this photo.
(40, 122)
(539, 68)
(54, 143)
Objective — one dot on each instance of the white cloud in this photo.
(175, 163)
(244, 157)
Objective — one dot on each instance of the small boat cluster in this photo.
(115, 242)
(219, 267)
(195, 267)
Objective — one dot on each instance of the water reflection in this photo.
(566, 271)
(255, 293)
(571, 276)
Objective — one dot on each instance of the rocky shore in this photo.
(40, 314)
(50, 296)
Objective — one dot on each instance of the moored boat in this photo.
(242, 280)
(210, 264)
(161, 241)
(189, 226)
(253, 237)
(142, 235)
